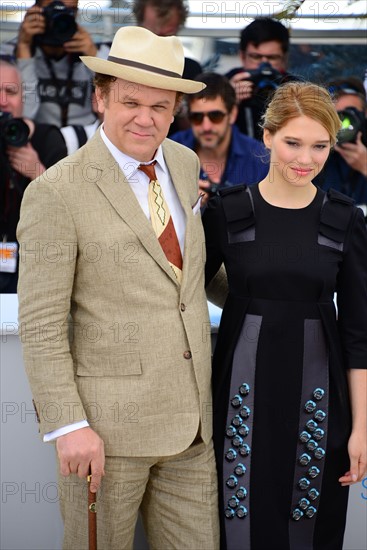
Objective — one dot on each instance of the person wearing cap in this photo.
(115, 322)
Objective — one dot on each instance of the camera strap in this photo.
(65, 101)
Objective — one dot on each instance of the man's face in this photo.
(136, 117)
(270, 52)
(167, 26)
(10, 91)
(211, 134)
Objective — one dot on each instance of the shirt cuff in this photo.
(50, 436)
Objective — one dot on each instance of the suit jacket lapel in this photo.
(113, 184)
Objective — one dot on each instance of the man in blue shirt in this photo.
(227, 157)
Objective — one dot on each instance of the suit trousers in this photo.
(176, 495)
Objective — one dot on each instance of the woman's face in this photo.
(298, 151)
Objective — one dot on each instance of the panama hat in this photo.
(142, 57)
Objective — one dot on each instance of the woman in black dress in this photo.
(289, 373)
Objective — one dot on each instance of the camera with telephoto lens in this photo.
(60, 24)
(13, 131)
(353, 121)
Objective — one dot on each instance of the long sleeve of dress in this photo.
(352, 296)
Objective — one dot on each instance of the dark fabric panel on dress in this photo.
(284, 267)
(238, 433)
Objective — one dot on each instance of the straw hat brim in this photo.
(142, 76)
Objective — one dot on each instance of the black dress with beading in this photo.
(281, 405)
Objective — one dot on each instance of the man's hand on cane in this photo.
(82, 452)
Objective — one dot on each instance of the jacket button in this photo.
(182, 307)
(187, 354)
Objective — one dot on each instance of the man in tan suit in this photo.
(115, 338)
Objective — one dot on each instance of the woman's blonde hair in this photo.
(295, 99)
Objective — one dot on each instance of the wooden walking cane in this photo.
(92, 515)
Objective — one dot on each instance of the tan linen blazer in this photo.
(107, 333)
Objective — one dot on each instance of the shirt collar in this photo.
(128, 164)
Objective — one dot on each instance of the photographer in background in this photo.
(346, 168)
(57, 83)
(75, 136)
(165, 18)
(264, 48)
(227, 157)
(35, 148)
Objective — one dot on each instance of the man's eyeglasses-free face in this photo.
(214, 116)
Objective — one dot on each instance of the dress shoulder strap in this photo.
(336, 213)
(238, 206)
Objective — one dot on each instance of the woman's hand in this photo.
(357, 449)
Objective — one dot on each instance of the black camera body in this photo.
(212, 190)
(353, 121)
(13, 131)
(60, 24)
(266, 80)
(265, 77)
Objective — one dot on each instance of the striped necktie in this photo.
(162, 221)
